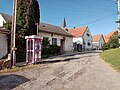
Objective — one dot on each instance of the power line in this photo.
(80, 4)
(95, 21)
(77, 11)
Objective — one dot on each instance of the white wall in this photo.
(3, 45)
(68, 40)
(1, 20)
(87, 39)
(75, 39)
(95, 45)
(101, 42)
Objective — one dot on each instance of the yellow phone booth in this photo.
(33, 49)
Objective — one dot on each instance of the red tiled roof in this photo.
(78, 32)
(96, 38)
(107, 37)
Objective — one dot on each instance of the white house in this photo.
(82, 38)
(3, 42)
(4, 18)
(98, 41)
(57, 36)
(3, 34)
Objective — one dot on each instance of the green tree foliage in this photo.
(105, 46)
(112, 43)
(27, 15)
(49, 50)
(7, 25)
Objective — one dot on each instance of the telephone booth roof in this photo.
(33, 37)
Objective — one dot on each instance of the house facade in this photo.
(3, 34)
(82, 38)
(98, 41)
(57, 36)
(3, 42)
(5, 18)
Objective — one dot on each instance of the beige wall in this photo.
(1, 20)
(3, 45)
(68, 40)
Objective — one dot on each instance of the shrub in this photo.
(112, 43)
(54, 49)
(105, 46)
(49, 50)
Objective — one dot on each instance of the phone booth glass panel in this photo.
(37, 50)
(33, 49)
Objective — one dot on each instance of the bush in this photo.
(49, 50)
(112, 43)
(105, 46)
(54, 50)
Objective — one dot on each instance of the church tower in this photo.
(64, 23)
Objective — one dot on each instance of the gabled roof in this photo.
(107, 37)
(78, 32)
(7, 17)
(96, 38)
(43, 27)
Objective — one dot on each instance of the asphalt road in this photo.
(81, 71)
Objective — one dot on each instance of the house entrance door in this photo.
(62, 45)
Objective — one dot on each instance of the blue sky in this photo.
(99, 15)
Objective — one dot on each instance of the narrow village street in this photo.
(85, 71)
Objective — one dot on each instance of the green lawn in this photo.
(112, 57)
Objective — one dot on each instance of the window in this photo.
(88, 44)
(88, 34)
(54, 41)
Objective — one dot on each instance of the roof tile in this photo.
(78, 32)
(96, 38)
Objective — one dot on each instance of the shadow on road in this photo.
(77, 53)
(8, 82)
(56, 61)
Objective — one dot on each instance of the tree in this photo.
(27, 16)
(114, 41)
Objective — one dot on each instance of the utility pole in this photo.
(118, 16)
(13, 56)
